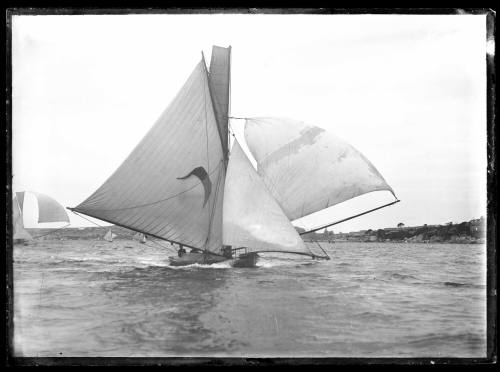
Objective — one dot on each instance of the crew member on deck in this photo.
(181, 251)
(227, 252)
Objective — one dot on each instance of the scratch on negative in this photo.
(276, 323)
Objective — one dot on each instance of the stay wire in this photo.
(52, 232)
(157, 201)
(150, 240)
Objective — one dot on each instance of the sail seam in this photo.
(214, 108)
(173, 109)
(147, 204)
(212, 213)
(206, 142)
(135, 229)
(158, 151)
(321, 200)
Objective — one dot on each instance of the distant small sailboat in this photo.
(109, 236)
(210, 198)
(140, 237)
(49, 210)
(20, 235)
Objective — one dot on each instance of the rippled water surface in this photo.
(92, 298)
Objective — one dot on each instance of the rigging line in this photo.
(206, 119)
(327, 257)
(216, 193)
(211, 217)
(206, 138)
(215, 106)
(234, 117)
(349, 218)
(78, 214)
(231, 130)
(41, 236)
(160, 245)
(141, 231)
(230, 125)
(155, 202)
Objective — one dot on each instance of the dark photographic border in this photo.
(492, 186)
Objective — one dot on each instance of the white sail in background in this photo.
(307, 169)
(140, 237)
(109, 236)
(252, 218)
(171, 185)
(20, 232)
(49, 210)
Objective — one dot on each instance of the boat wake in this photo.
(261, 263)
(271, 262)
(219, 265)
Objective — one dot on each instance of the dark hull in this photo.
(246, 260)
(195, 258)
(243, 260)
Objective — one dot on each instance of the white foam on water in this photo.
(154, 262)
(217, 266)
(269, 262)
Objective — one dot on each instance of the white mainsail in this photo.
(252, 218)
(171, 185)
(20, 232)
(307, 169)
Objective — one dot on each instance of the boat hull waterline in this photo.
(244, 260)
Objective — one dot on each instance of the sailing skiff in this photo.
(185, 183)
(49, 210)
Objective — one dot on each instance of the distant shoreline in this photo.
(470, 232)
(398, 242)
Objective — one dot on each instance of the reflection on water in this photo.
(84, 298)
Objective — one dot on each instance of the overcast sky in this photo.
(408, 91)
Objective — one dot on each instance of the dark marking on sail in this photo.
(308, 137)
(201, 173)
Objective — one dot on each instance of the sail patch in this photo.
(308, 136)
(202, 174)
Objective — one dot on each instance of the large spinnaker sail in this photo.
(307, 169)
(49, 210)
(20, 232)
(252, 218)
(171, 185)
(220, 72)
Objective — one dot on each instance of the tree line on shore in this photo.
(472, 231)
